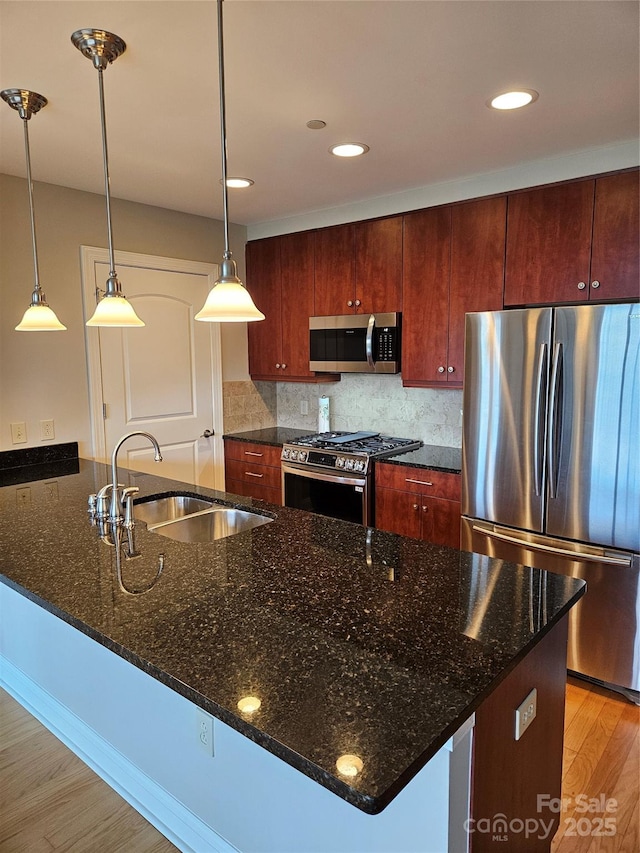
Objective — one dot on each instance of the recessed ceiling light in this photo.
(513, 100)
(238, 183)
(316, 124)
(349, 149)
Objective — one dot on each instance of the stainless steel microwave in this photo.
(355, 343)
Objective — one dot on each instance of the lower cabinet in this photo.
(253, 470)
(418, 502)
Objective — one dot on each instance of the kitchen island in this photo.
(356, 642)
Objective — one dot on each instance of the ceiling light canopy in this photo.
(513, 100)
(349, 149)
(102, 48)
(228, 301)
(38, 317)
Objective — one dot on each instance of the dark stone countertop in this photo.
(276, 436)
(355, 640)
(431, 457)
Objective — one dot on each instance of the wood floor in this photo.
(50, 800)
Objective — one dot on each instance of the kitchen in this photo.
(428, 414)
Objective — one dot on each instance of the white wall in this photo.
(43, 375)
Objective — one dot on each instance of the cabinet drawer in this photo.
(422, 481)
(250, 472)
(254, 490)
(261, 454)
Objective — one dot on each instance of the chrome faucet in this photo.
(116, 511)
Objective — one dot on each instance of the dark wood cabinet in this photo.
(418, 502)
(453, 264)
(280, 274)
(573, 242)
(358, 268)
(253, 470)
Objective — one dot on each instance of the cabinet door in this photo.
(549, 244)
(296, 265)
(335, 271)
(379, 266)
(425, 298)
(398, 512)
(478, 232)
(440, 521)
(614, 257)
(263, 280)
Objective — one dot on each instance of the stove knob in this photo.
(349, 464)
(294, 455)
(340, 462)
(360, 465)
(285, 453)
(302, 455)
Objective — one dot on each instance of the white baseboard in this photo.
(169, 816)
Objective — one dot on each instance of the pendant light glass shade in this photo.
(38, 317)
(228, 301)
(102, 48)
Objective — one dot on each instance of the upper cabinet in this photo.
(358, 268)
(453, 264)
(574, 241)
(280, 279)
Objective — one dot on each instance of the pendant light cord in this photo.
(107, 184)
(38, 289)
(223, 133)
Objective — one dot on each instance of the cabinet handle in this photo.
(595, 285)
(581, 285)
(415, 506)
(358, 303)
(284, 366)
(350, 303)
(252, 453)
(277, 367)
(441, 369)
(251, 474)
(419, 482)
(425, 509)
(450, 369)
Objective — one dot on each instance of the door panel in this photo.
(335, 271)
(379, 265)
(503, 428)
(599, 465)
(159, 378)
(616, 223)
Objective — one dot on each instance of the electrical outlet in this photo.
(304, 407)
(19, 433)
(51, 491)
(526, 713)
(205, 731)
(47, 432)
(23, 496)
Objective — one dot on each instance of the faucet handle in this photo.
(127, 499)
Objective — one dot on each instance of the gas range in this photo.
(344, 451)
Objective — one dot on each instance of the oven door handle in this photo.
(317, 474)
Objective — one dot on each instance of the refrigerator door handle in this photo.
(555, 418)
(562, 552)
(540, 418)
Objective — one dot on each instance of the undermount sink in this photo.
(188, 519)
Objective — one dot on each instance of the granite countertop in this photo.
(276, 436)
(431, 457)
(355, 640)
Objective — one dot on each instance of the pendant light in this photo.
(228, 301)
(38, 317)
(102, 48)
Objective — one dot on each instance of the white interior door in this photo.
(165, 378)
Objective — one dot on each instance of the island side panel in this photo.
(506, 814)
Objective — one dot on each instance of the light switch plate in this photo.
(526, 713)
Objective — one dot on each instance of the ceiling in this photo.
(410, 78)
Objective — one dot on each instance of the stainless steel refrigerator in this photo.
(551, 465)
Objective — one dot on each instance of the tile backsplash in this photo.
(357, 402)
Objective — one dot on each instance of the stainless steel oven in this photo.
(329, 473)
